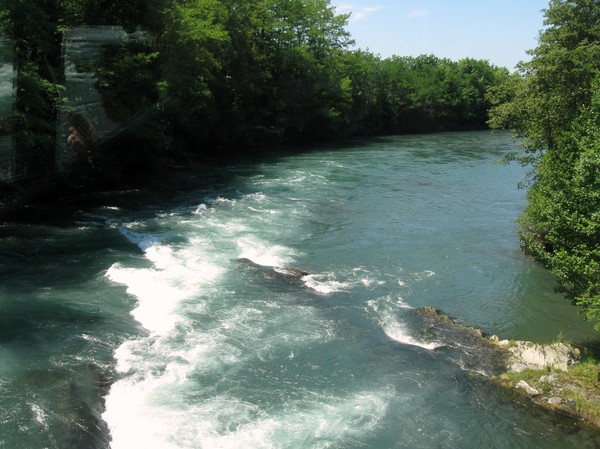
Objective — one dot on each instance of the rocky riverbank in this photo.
(553, 376)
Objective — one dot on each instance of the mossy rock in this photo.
(433, 313)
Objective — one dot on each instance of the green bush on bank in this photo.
(554, 105)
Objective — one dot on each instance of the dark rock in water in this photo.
(551, 388)
(65, 407)
(466, 345)
(276, 278)
(292, 272)
(436, 315)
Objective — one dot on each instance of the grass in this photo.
(579, 388)
(585, 373)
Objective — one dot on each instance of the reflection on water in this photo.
(82, 50)
(7, 104)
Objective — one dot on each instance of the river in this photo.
(272, 304)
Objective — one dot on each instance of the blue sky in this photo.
(500, 31)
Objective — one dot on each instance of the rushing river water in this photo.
(272, 305)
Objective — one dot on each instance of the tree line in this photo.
(232, 76)
(553, 104)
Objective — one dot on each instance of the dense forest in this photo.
(218, 78)
(224, 78)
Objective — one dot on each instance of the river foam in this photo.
(169, 395)
(230, 353)
(197, 331)
(174, 275)
(226, 422)
(390, 313)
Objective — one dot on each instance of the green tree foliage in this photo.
(236, 75)
(31, 25)
(131, 14)
(426, 93)
(554, 105)
(188, 46)
(476, 78)
(128, 79)
(561, 224)
(278, 76)
(554, 86)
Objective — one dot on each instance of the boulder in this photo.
(527, 355)
(527, 389)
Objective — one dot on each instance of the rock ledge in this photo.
(528, 355)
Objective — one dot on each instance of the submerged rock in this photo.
(285, 271)
(464, 344)
(538, 372)
(276, 278)
(60, 407)
(436, 315)
(293, 272)
(518, 355)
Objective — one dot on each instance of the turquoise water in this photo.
(272, 305)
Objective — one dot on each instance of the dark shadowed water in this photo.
(272, 305)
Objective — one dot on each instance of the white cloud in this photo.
(370, 9)
(345, 7)
(418, 13)
(364, 12)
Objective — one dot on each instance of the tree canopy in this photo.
(554, 105)
(231, 76)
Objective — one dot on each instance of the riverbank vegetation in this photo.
(554, 105)
(574, 392)
(554, 376)
(220, 78)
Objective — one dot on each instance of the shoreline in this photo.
(553, 376)
(557, 377)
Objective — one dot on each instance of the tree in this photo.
(557, 80)
(477, 77)
(554, 105)
(278, 79)
(32, 26)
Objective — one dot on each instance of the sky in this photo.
(499, 31)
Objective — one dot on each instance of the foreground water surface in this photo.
(272, 305)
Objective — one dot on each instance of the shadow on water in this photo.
(56, 408)
(174, 185)
(591, 348)
(52, 381)
(31, 319)
(57, 367)
(56, 340)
